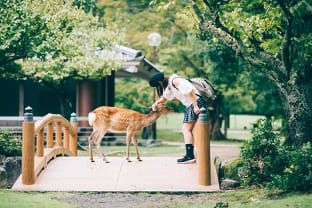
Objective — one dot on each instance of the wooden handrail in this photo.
(59, 121)
(54, 118)
(32, 166)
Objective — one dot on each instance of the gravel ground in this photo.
(138, 200)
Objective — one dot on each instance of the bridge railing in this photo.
(65, 144)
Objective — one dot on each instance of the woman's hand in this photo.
(154, 107)
(196, 110)
(160, 101)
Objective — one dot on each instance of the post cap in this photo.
(203, 116)
(28, 115)
(73, 118)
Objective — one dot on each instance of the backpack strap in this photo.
(179, 77)
(187, 80)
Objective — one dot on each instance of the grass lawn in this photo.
(234, 137)
(241, 135)
(12, 199)
(256, 198)
(246, 198)
(169, 127)
(174, 121)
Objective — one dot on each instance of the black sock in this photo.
(189, 150)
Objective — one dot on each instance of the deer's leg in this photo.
(98, 144)
(91, 140)
(135, 143)
(128, 146)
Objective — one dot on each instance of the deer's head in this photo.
(163, 109)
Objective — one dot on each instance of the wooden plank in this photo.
(39, 165)
(160, 174)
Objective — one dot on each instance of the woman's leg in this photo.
(189, 143)
(187, 129)
(188, 124)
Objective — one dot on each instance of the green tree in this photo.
(274, 37)
(137, 98)
(86, 53)
(191, 54)
(54, 42)
(31, 28)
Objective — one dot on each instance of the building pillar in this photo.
(111, 84)
(90, 95)
(21, 98)
(108, 90)
(86, 99)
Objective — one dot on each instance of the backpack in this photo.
(206, 91)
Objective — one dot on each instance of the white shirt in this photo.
(183, 91)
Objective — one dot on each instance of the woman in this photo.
(178, 87)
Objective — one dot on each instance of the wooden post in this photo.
(50, 135)
(66, 138)
(73, 140)
(28, 148)
(40, 143)
(195, 133)
(58, 134)
(203, 148)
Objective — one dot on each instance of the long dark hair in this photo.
(162, 86)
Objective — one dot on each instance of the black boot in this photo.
(189, 157)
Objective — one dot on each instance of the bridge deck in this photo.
(155, 174)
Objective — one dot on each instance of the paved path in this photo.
(154, 174)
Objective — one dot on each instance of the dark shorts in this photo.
(189, 114)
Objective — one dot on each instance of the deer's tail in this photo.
(91, 118)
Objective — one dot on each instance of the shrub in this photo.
(231, 170)
(9, 145)
(262, 156)
(221, 205)
(266, 162)
(297, 174)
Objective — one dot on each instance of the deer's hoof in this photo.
(128, 160)
(92, 161)
(140, 160)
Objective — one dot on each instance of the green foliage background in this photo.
(187, 54)
(64, 31)
(9, 144)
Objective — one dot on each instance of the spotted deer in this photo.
(115, 119)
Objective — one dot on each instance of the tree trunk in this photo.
(298, 112)
(147, 132)
(65, 105)
(216, 133)
(226, 123)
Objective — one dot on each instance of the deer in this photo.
(115, 120)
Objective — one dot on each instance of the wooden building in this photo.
(84, 96)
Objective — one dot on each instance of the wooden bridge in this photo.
(49, 170)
